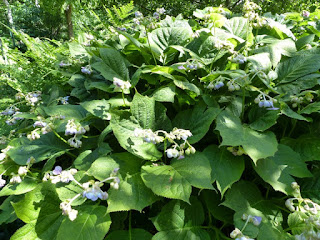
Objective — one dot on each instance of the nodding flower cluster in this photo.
(120, 84)
(238, 235)
(238, 58)
(310, 214)
(76, 129)
(223, 45)
(188, 67)
(263, 100)
(33, 98)
(177, 150)
(19, 176)
(40, 126)
(86, 70)
(12, 112)
(91, 189)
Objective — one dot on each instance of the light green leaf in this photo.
(256, 145)
(297, 66)
(99, 108)
(226, 168)
(132, 193)
(143, 109)
(27, 232)
(301, 42)
(7, 212)
(197, 120)
(185, 85)
(28, 208)
(306, 145)
(277, 170)
(76, 49)
(50, 215)
(136, 233)
(165, 94)
(123, 126)
(27, 185)
(180, 221)
(238, 26)
(46, 147)
(92, 223)
(69, 111)
(112, 65)
(297, 222)
(176, 180)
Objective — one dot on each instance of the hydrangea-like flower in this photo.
(123, 85)
(93, 191)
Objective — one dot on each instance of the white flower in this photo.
(33, 135)
(2, 182)
(121, 84)
(74, 142)
(15, 179)
(181, 133)
(22, 170)
(172, 153)
(57, 170)
(64, 176)
(2, 156)
(115, 183)
(40, 124)
(68, 211)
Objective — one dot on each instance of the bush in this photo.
(198, 128)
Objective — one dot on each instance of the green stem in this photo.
(130, 234)
(154, 58)
(124, 102)
(61, 138)
(243, 101)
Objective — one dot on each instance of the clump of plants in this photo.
(203, 128)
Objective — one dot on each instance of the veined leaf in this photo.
(257, 145)
(277, 170)
(176, 180)
(180, 221)
(226, 168)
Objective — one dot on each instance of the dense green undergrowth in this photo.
(202, 128)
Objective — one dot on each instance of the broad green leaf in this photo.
(226, 168)
(277, 48)
(136, 233)
(197, 120)
(277, 170)
(77, 49)
(261, 60)
(311, 108)
(178, 220)
(86, 158)
(310, 188)
(286, 110)
(300, 84)
(112, 65)
(301, 42)
(69, 111)
(245, 198)
(27, 185)
(306, 145)
(143, 109)
(270, 232)
(212, 200)
(99, 108)
(297, 222)
(123, 126)
(50, 215)
(28, 208)
(185, 85)
(132, 193)
(257, 145)
(176, 180)
(27, 232)
(46, 147)
(163, 37)
(165, 94)
(92, 222)
(7, 212)
(238, 26)
(297, 66)
(262, 119)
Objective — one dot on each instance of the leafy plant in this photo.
(202, 128)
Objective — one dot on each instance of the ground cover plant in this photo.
(200, 128)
